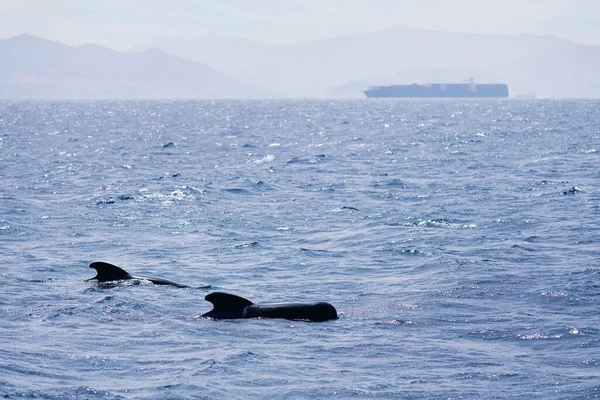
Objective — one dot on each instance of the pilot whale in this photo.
(229, 306)
(108, 272)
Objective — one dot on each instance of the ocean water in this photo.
(458, 240)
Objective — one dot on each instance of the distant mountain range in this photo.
(343, 66)
(219, 67)
(34, 68)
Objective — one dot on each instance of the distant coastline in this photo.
(213, 67)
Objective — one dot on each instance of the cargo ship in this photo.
(442, 90)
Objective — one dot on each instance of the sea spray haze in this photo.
(458, 239)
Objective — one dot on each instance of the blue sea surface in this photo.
(459, 241)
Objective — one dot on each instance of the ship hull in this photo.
(440, 90)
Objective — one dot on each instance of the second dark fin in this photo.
(226, 306)
(107, 272)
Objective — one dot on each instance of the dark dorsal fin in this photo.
(107, 272)
(226, 305)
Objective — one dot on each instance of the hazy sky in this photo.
(121, 24)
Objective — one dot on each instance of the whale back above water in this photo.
(229, 306)
(106, 272)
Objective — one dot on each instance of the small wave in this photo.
(167, 175)
(176, 195)
(245, 357)
(524, 248)
(9, 229)
(409, 251)
(5, 226)
(392, 183)
(267, 158)
(181, 193)
(296, 160)
(554, 294)
(571, 191)
(81, 392)
(418, 252)
(314, 160)
(342, 209)
(113, 200)
(237, 191)
(537, 336)
(398, 322)
(442, 223)
(245, 245)
(533, 239)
